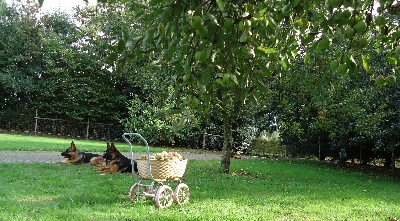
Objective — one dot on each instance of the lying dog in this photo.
(116, 162)
(75, 156)
(99, 161)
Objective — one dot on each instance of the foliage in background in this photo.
(158, 131)
(267, 144)
(52, 65)
(65, 68)
(323, 113)
(231, 55)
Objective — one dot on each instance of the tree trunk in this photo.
(227, 147)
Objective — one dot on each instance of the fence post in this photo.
(87, 129)
(204, 139)
(36, 122)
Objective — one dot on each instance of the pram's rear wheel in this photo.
(181, 194)
(137, 192)
(134, 193)
(164, 196)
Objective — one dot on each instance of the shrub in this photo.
(267, 144)
(157, 131)
(244, 137)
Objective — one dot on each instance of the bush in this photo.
(244, 137)
(267, 144)
(157, 131)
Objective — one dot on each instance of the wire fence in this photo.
(34, 125)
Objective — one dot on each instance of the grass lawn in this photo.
(39, 143)
(257, 189)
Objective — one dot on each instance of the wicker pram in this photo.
(161, 169)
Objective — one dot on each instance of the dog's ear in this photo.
(72, 143)
(113, 146)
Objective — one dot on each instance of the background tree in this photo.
(53, 65)
(227, 55)
(20, 54)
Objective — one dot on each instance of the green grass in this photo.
(257, 190)
(19, 142)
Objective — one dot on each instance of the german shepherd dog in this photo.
(74, 156)
(116, 161)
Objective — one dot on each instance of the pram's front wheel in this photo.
(181, 194)
(164, 196)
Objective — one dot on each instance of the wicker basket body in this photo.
(161, 169)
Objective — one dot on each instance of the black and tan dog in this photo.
(116, 162)
(74, 156)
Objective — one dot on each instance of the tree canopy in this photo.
(232, 55)
(325, 69)
(50, 64)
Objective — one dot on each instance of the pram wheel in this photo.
(164, 196)
(181, 194)
(134, 193)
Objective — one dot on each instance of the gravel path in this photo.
(48, 157)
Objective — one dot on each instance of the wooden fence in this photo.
(35, 125)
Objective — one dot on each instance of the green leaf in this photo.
(167, 113)
(266, 50)
(306, 39)
(243, 37)
(392, 59)
(284, 64)
(214, 54)
(266, 71)
(112, 57)
(207, 74)
(253, 99)
(351, 64)
(187, 68)
(173, 111)
(366, 64)
(261, 86)
(307, 59)
(159, 114)
(212, 18)
(121, 45)
(221, 4)
(395, 35)
(155, 2)
(166, 14)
